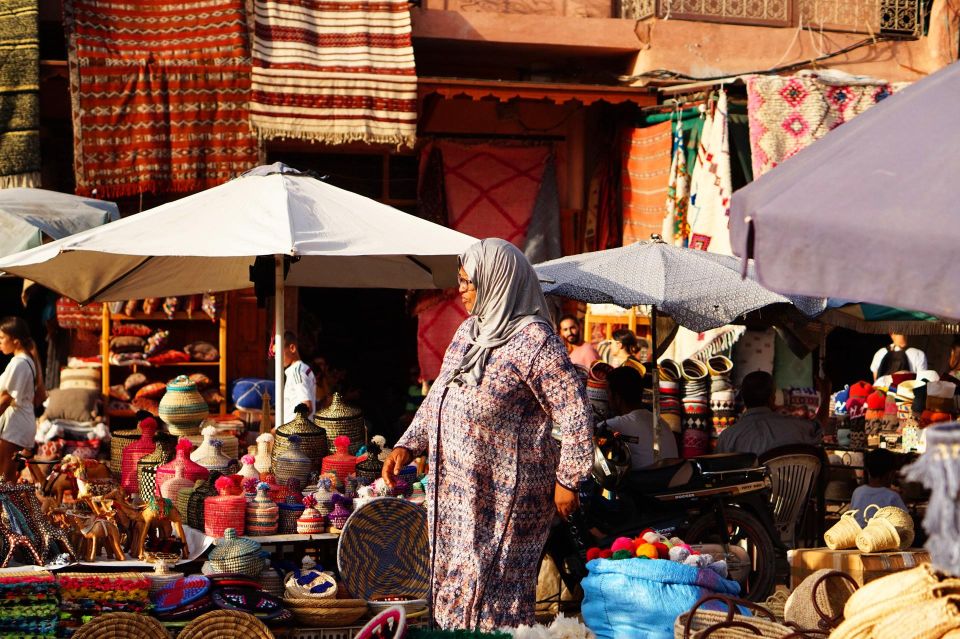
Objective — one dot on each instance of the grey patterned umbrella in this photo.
(699, 290)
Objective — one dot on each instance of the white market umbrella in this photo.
(27, 216)
(867, 212)
(207, 242)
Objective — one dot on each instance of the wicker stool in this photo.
(225, 624)
(122, 625)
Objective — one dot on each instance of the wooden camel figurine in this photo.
(129, 517)
(63, 478)
(98, 532)
(160, 513)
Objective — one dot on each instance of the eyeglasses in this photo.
(463, 282)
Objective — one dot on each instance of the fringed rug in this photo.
(491, 192)
(787, 114)
(160, 91)
(19, 94)
(334, 72)
(646, 172)
(676, 226)
(711, 185)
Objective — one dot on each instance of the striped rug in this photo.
(19, 94)
(334, 72)
(160, 92)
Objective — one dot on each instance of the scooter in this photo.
(719, 502)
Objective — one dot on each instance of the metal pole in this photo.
(278, 313)
(655, 373)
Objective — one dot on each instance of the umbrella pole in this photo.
(278, 304)
(655, 382)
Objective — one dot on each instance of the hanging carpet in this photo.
(160, 91)
(491, 192)
(787, 114)
(19, 94)
(646, 173)
(334, 72)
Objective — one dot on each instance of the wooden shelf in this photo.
(160, 316)
(170, 365)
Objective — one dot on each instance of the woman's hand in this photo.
(567, 500)
(399, 457)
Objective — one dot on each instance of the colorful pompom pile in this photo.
(650, 544)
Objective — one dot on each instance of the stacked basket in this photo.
(339, 418)
(326, 613)
(313, 440)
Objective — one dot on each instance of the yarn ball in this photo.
(309, 501)
(224, 483)
(650, 537)
(606, 554)
(719, 567)
(593, 553)
(647, 550)
(622, 554)
(184, 444)
(662, 551)
(692, 560)
(624, 543)
(679, 554)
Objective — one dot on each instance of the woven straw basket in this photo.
(122, 625)
(819, 600)
(900, 519)
(843, 534)
(226, 624)
(326, 613)
(699, 624)
(294, 591)
(118, 441)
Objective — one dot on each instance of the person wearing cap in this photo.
(633, 421)
(760, 428)
(582, 353)
(897, 357)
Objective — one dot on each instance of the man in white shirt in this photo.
(299, 383)
(916, 359)
(633, 421)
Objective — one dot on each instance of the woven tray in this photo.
(292, 603)
(328, 617)
(384, 550)
(122, 625)
(225, 624)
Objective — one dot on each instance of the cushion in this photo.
(202, 352)
(119, 392)
(169, 357)
(83, 378)
(157, 342)
(136, 330)
(76, 404)
(127, 344)
(134, 381)
(201, 381)
(146, 403)
(154, 390)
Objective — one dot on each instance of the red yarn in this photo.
(662, 550)
(224, 484)
(593, 553)
(606, 554)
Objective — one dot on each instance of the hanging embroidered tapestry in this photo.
(646, 173)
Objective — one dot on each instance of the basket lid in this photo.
(384, 550)
(232, 547)
(300, 426)
(181, 383)
(338, 410)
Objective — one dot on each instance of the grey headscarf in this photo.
(508, 299)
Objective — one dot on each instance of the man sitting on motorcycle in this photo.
(634, 422)
(759, 428)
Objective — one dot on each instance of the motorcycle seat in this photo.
(719, 462)
(657, 476)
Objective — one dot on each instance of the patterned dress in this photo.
(493, 468)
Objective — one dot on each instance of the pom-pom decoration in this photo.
(593, 553)
(185, 444)
(224, 484)
(248, 459)
(250, 484)
(647, 550)
(622, 554)
(309, 501)
(624, 543)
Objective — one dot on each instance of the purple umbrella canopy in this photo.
(868, 211)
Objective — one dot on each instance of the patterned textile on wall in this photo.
(491, 192)
(19, 94)
(646, 172)
(160, 91)
(710, 186)
(334, 72)
(788, 113)
(676, 226)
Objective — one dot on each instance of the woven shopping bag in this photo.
(817, 603)
(700, 623)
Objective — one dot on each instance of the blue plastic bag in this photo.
(641, 598)
(248, 392)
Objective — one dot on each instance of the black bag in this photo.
(893, 362)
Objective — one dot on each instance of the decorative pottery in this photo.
(182, 407)
(339, 418)
(192, 471)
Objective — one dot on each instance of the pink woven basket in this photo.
(224, 510)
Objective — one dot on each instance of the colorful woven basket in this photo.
(209, 432)
(195, 500)
(369, 470)
(289, 513)
(133, 452)
(339, 418)
(292, 463)
(225, 624)
(262, 513)
(148, 464)
(224, 511)
(341, 463)
(235, 554)
(313, 440)
(119, 441)
(384, 550)
(214, 459)
(182, 407)
(181, 592)
(192, 471)
(122, 625)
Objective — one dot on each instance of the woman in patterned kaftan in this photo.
(497, 477)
